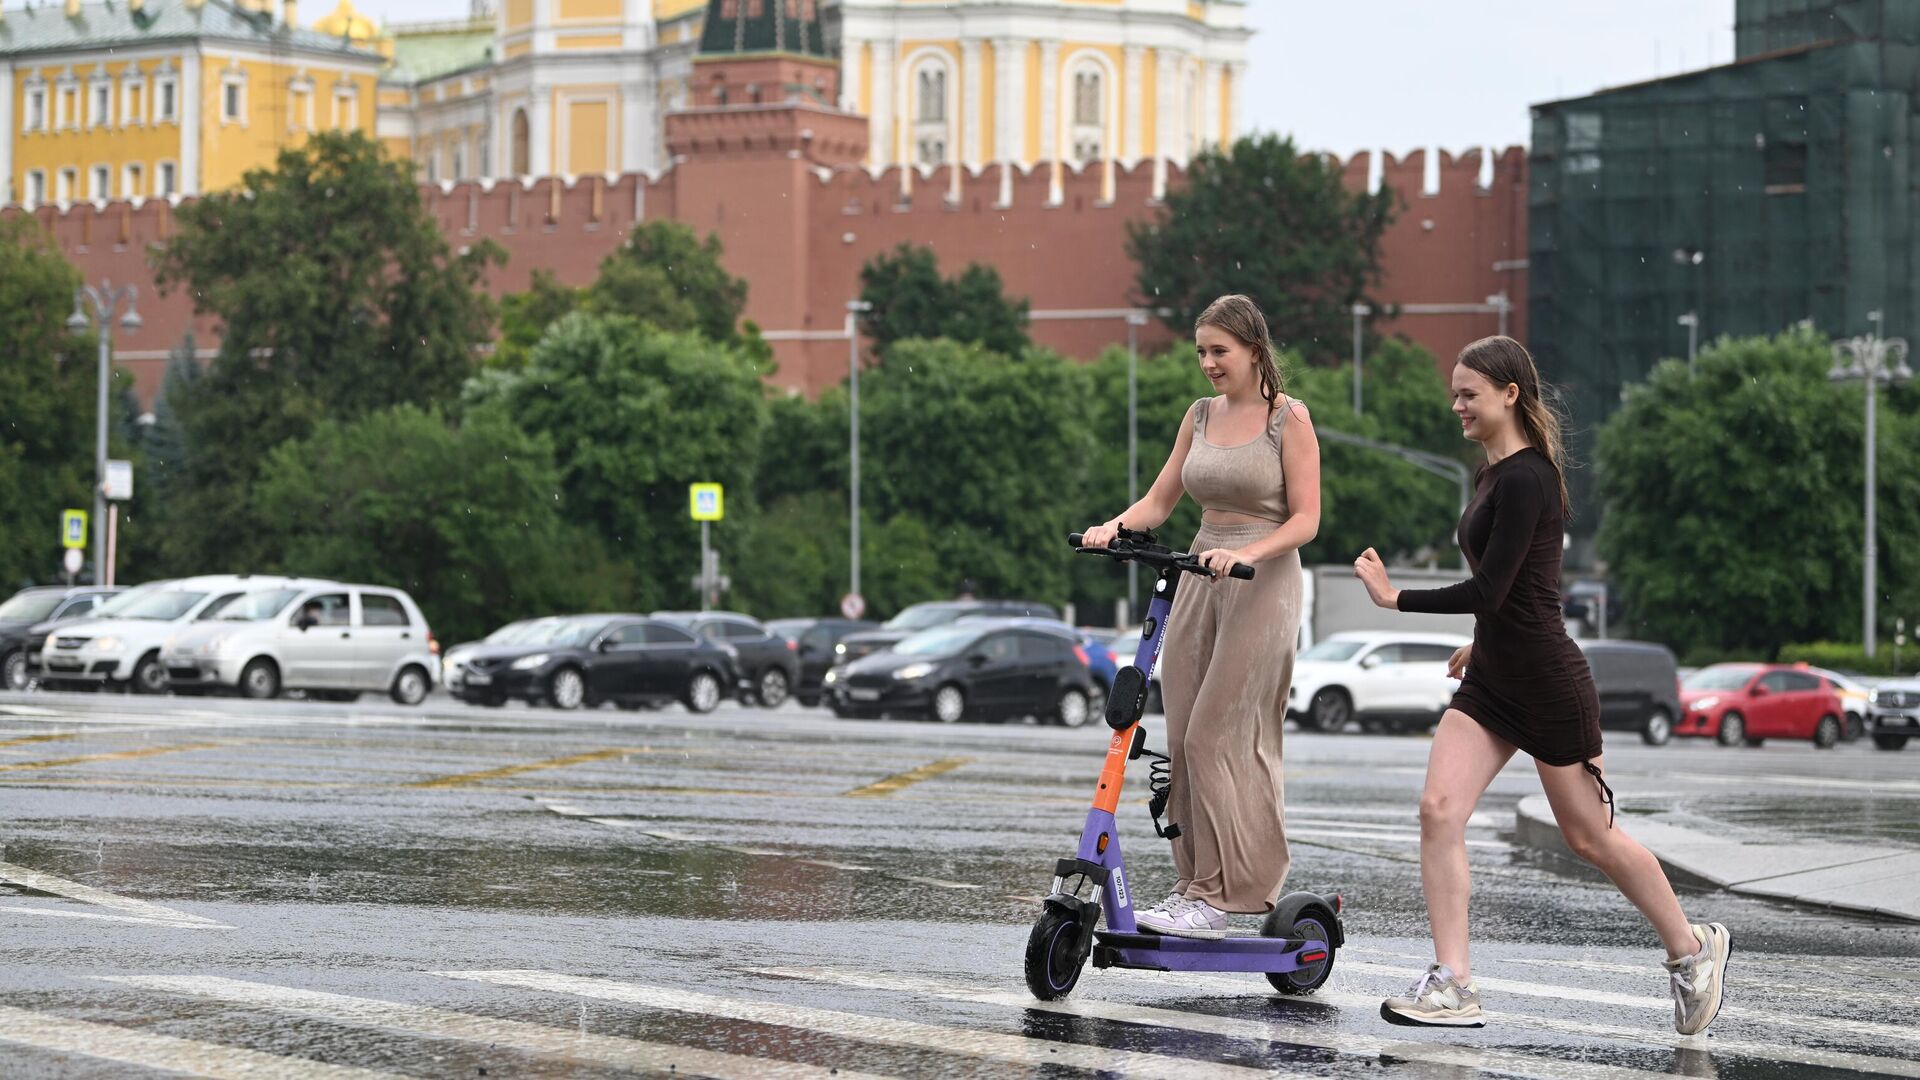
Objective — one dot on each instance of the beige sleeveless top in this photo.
(1245, 479)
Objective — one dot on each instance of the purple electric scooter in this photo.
(1295, 945)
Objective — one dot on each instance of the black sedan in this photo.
(31, 607)
(769, 664)
(918, 617)
(590, 660)
(976, 668)
(813, 641)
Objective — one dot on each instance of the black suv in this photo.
(589, 660)
(926, 616)
(986, 668)
(769, 664)
(813, 641)
(1639, 685)
(44, 604)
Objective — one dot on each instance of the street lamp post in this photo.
(1691, 320)
(1135, 320)
(855, 308)
(1873, 360)
(103, 302)
(1360, 311)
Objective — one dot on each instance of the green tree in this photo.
(524, 316)
(1271, 222)
(667, 276)
(464, 518)
(1732, 517)
(337, 294)
(911, 300)
(635, 415)
(48, 383)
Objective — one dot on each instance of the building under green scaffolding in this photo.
(1771, 190)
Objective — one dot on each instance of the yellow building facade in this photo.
(135, 100)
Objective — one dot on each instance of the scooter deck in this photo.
(1235, 952)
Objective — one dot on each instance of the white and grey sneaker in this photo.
(1183, 917)
(1436, 1000)
(1699, 979)
(1161, 907)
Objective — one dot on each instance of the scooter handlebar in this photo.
(1138, 547)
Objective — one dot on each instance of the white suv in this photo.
(1896, 713)
(1386, 681)
(331, 640)
(123, 647)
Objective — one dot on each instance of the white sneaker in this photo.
(1163, 906)
(1186, 918)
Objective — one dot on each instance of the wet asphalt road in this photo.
(307, 890)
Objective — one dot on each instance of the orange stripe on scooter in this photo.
(1108, 796)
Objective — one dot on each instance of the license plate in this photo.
(59, 664)
(476, 679)
(864, 695)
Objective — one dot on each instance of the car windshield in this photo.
(573, 633)
(1719, 678)
(256, 606)
(114, 608)
(30, 607)
(789, 627)
(1333, 650)
(163, 606)
(921, 617)
(944, 641)
(526, 632)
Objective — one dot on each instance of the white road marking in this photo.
(164, 1052)
(87, 894)
(994, 1046)
(515, 1034)
(1507, 1064)
(1398, 838)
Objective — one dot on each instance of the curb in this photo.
(1875, 881)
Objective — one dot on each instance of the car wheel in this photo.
(14, 670)
(810, 701)
(1855, 728)
(1827, 732)
(260, 680)
(410, 686)
(1073, 708)
(1658, 728)
(949, 704)
(1889, 742)
(703, 692)
(149, 675)
(566, 689)
(773, 688)
(1331, 709)
(1733, 729)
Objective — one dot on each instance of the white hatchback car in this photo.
(1386, 681)
(332, 641)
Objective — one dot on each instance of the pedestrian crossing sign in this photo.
(709, 502)
(73, 528)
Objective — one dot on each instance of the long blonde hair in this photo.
(1504, 361)
(1241, 317)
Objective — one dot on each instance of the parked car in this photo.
(630, 660)
(969, 670)
(1751, 703)
(332, 641)
(1386, 681)
(109, 608)
(45, 604)
(813, 641)
(767, 664)
(917, 617)
(1854, 697)
(1092, 646)
(1895, 713)
(1639, 685)
(120, 646)
(1125, 645)
(453, 666)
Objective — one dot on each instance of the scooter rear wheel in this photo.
(1054, 960)
(1313, 923)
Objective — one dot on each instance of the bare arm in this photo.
(1156, 506)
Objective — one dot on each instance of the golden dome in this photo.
(348, 23)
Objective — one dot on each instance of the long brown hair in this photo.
(1241, 317)
(1504, 361)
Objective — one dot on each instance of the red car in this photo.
(1751, 703)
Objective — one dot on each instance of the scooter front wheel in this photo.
(1054, 959)
(1310, 922)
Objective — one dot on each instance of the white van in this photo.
(332, 641)
(123, 648)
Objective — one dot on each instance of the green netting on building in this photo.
(1774, 189)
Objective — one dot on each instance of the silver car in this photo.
(334, 642)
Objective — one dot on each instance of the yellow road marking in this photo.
(35, 739)
(513, 770)
(123, 755)
(912, 776)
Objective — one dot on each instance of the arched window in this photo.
(931, 119)
(1089, 113)
(522, 144)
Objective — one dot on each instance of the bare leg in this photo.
(1464, 760)
(1584, 822)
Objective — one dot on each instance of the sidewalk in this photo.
(1879, 880)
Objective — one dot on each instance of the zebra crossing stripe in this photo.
(125, 906)
(108, 1042)
(438, 1023)
(1017, 1050)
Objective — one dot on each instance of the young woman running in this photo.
(1526, 687)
